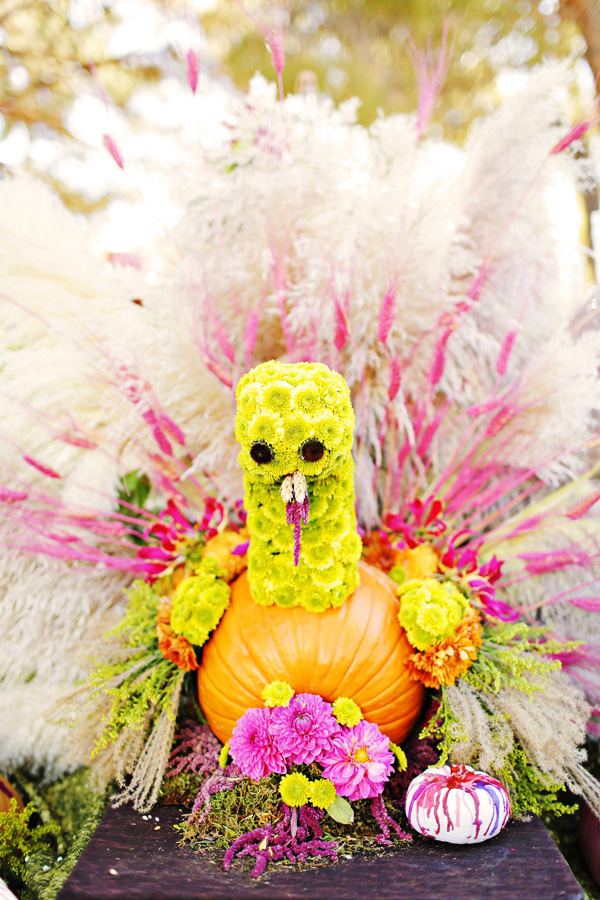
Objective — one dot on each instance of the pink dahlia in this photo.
(359, 761)
(253, 747)
(303, 729)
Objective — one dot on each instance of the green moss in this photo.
(181, 790)
(64, 817)
(246, 806)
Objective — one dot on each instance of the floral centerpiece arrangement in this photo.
(404, 589)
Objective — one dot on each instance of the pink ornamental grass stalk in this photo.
(272, 33)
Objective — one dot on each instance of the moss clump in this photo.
(61, 819)
(244, 807)
(181, 790)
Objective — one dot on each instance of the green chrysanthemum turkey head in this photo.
(295, 425)
(293, 418)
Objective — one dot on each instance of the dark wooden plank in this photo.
(523, 863)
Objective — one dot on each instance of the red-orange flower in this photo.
(445, 662)
(173, 647)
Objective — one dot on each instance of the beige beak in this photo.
(294, 487)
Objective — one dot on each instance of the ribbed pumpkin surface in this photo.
(356, 651)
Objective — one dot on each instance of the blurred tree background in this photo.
(56, 105)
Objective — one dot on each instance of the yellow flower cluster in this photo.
(430, 610)
(347, 712)
(199, 603)
(278, 693)
(401, 760)
(297, 790)
(283, 412)
(224, 755)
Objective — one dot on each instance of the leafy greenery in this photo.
(18, 841)
(529, 791)
(68, 811)
(511, 654)
(138, 681)
(445, 727)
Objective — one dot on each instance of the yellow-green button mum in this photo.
(295, 789)
(198, 605)
(401, 761)
(323, 793)
(347, 712)
(430, 610)
(278, 693)
(224, 755)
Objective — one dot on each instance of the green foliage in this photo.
(18, 841)
(514, 656)
(446, 728)
(140, 681)
(529, 791)
(135, 491)
(69, 809)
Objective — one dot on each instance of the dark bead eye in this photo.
(261, 453)
(312, 451)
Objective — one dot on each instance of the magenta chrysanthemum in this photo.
(359, 761)
(253, 746)
(303, 729)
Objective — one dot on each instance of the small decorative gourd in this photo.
(457, 804)
(302, 613)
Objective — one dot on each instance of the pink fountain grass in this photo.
(303, 729)
(272, 30)
(431, 72)
(359, 761)
(253, 746)
(283, 841)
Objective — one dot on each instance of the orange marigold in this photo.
(173, 647)
(445, 662)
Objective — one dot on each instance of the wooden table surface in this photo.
(522, 863)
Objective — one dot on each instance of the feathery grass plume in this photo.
(134, 697)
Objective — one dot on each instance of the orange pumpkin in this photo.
(357, 651)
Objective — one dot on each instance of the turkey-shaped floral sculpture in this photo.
(306, 612)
